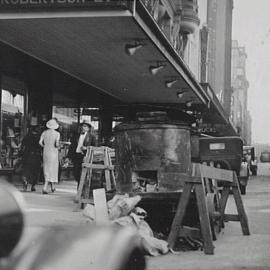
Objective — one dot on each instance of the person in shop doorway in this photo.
(78, 147)
(31, 158)
(49, 140)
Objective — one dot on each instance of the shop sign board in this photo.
(26, 4)
(206, 128)
(39, 3)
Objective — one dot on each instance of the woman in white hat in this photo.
(49, 140)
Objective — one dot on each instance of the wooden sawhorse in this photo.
(89, 164)
(228, 180)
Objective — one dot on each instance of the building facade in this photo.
(219, 22)
(239, 113)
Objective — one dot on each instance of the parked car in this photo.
(225, 153)
(265, 156)
(80, 248)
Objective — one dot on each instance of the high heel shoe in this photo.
(44, 191)
(52, 188)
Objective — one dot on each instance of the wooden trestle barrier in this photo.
(227, 182)
(90, 163)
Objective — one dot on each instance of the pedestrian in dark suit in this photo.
(77, 149)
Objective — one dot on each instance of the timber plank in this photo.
(204, 220)
(179, 215)
(215, 173)
(240, 207)
(101, 210)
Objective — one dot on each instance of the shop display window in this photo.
(12, 127)
(67, 120)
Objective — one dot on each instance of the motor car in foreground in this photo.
(225, 153)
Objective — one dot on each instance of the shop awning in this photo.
(88, 42)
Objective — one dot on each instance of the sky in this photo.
(251, 27)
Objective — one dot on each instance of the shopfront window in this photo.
(68, 126)
(68, 121)
(92, 119)
(12, 126)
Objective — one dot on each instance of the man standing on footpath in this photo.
(78, 147)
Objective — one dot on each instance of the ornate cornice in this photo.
(189, 20)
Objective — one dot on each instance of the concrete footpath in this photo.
(54, 209)
(232, 249)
